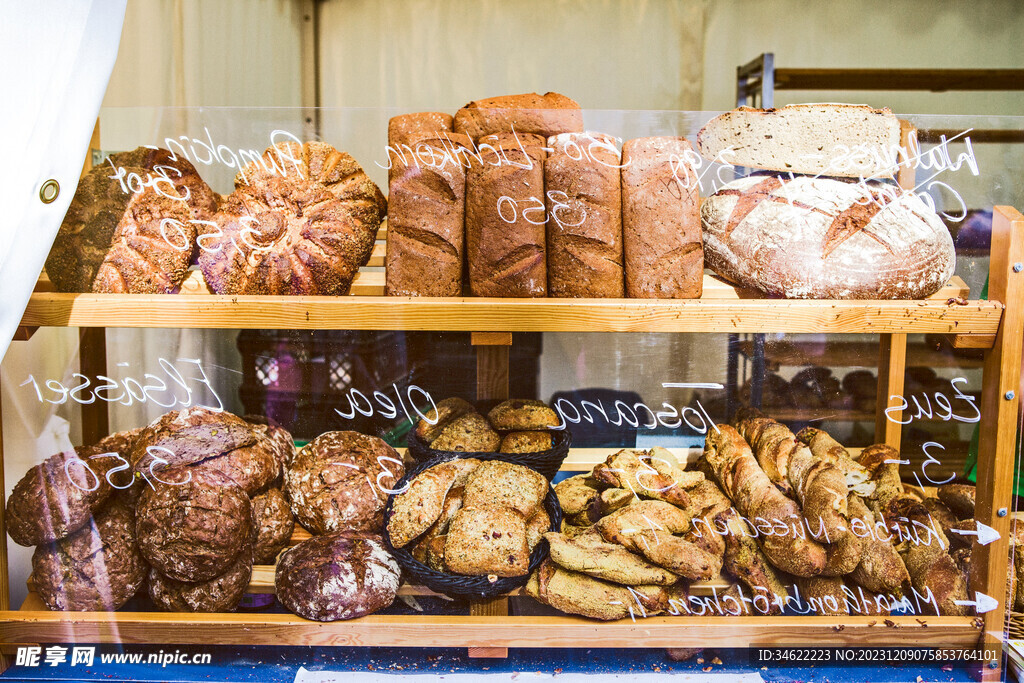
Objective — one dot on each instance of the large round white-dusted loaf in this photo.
(808, 237)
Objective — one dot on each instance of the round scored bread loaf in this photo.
(222, 593)
(58, 496)
(337, 576)
(97, 568)
(211, 440)
(335, 482)
(302, 220)
(826, 238)
(130, 227)
(193, 527)
(274, 524)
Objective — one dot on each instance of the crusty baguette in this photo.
(733, 466)
(745, 561)
(853, 141)
(881, 569)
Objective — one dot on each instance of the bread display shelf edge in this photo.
(936, 315)
(490, 631)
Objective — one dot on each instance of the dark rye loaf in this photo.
(505, 235)
(222, 593)
(58, 496)
(545, 115)
(193, 527)
(584, 207)
(826, 238)
(661, 231)
(211, 440)
(337, 576)
(97, 568)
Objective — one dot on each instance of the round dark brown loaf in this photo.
(220, 594)
(337, 576)
(303, 227)
(284, 443)
(97, 568)
(210, 440)
(826, 238)
(334, 483)
(193, 528)
(131, 238)
(46, 504)
(272, 517)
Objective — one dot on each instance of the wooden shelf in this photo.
(50, 309)
(854, 354)
(469, 631)
(935, 80)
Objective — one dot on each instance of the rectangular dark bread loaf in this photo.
(545, 115)
(584, 216)
(426, 219)
(505, 243)
(407, 129)
(661, 228)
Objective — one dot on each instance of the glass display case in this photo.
(924, 377)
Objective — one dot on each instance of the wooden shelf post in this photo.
(892, 367)
(1000, 400)
(491, 383)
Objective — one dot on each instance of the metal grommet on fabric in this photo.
(49, 192)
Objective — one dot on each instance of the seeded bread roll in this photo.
(545, 115)
(222, 593)
(584, 216)
(469, 433)
(440, 415)
(489, 540)
(335, 482)
(272, 518)
(426, 218)
(97, 568)
(505, 243)
(522, 414)
(525, 442)
(193, 527)
(421, 505)
(337, 576)
(495, 483)
(848, 140)
(661, 231)
(59, 496)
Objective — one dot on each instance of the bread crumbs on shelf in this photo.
(717, 661)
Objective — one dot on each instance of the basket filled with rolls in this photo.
(470, 526)
(524, 431)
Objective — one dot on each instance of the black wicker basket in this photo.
(456, 585)
(546, 462)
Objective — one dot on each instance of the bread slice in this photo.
(847, 140)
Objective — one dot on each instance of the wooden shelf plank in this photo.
(936, 80)
(854, 354)
(467, 631)
(513, 315)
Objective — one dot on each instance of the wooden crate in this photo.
(995, 325)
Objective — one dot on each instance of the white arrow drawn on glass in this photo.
(981, 602)
(985, 533)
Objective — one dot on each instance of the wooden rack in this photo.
(996, 325)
